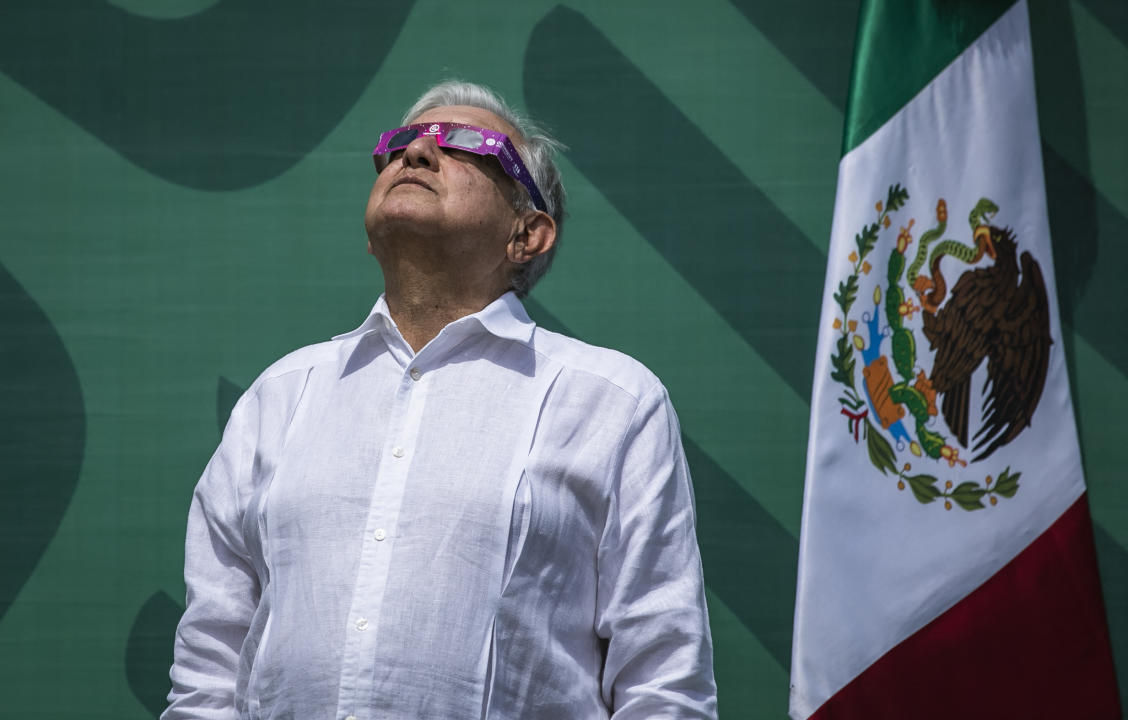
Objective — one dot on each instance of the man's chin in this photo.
(409, 202)
(402, 223)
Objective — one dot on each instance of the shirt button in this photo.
(397, 452)
(351, 717)
(416, 373)
(362, 624)
(379, 534)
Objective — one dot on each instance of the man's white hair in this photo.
(536, 148)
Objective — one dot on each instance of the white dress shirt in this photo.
(499, 526)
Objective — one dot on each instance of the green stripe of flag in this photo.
(901, 46)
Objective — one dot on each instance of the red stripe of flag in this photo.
(1031, 642)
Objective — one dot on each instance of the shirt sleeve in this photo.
(651, 599)
(222, 585)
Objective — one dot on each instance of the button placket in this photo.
(402, 429)
(401, 434)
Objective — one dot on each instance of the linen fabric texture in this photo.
(499, 526)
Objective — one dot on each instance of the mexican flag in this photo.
(946, 564)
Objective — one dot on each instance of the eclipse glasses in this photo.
(479, 141)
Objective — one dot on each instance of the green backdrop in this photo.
(182, 188)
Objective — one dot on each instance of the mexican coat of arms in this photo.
(924, 422)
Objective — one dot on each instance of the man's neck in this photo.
(431, 281)
(421, 310)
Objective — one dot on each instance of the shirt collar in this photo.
(505, 317)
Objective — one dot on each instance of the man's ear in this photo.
(536, 237)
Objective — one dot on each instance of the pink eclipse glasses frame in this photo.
(479, 141)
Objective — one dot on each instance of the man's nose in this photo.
(422, 152)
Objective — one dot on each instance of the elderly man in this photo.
(448, 512)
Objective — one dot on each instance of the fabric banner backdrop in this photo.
(947, 566)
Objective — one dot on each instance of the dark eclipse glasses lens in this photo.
(464, 138)
(402, 138)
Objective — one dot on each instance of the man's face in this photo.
(461, 200)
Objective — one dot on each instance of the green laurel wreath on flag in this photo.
(968, 495)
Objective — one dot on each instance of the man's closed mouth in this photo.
(408, 179)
